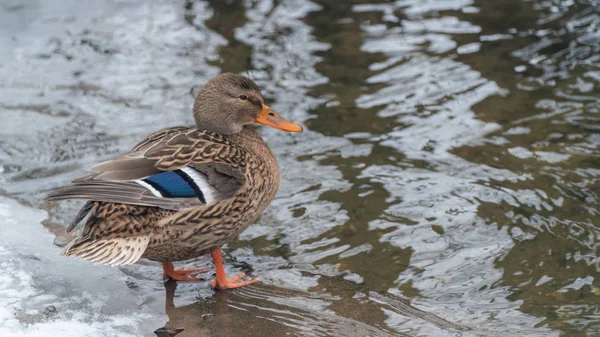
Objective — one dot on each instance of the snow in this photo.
(45, 294)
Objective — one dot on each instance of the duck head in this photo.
(228, 102)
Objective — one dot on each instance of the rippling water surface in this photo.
(446, 185)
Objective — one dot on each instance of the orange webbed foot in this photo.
(181, 274)
(232, 283)
(221, 281)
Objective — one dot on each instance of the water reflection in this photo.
(277, 311)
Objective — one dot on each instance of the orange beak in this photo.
(270, 118)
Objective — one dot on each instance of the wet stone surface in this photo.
(445, 185)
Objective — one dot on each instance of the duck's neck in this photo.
(251, 140)
(264, 171)
(220, 128)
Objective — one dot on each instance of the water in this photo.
(445, 186)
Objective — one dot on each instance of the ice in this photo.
(44, 294)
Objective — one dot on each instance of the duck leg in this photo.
(221, 281)
(180, 274)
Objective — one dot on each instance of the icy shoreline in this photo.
(46, 294)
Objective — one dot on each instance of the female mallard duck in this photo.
(182, 192)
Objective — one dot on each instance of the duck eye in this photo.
(243, 97)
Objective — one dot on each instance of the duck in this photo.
(182, 192)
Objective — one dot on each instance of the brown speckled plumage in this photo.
(127, 222)
(189, 233)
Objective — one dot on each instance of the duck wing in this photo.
(174, 168)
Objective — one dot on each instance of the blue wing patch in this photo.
(175, 184)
